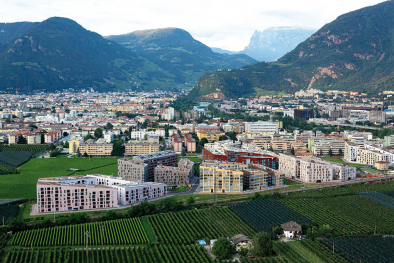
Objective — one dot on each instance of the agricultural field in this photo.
(389, 193)
(307, 251)
(157, 254)
(116, 232)
(23, 185)
(374, 249)
(343, 190)
(347, 215)
(14, 159)
(8, 211)
(379, 198)
(186, 227)
(33, 149)
(263, 214)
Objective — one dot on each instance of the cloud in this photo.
(226, 24)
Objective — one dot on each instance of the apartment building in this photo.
(337, 147)
(215, 178)
(279, 145)
(187, 164)
(258, 177)
(166, 158)
(79, 193)
(264, 145)
(314, 170)
(172, 176)
(370, 157)
(210, 135)
(109, 136)
(350, 153)
(261, 127)
(32, 137)
(132, 170)
(141, 147)
(177, 143)
(190, 143)
(298, 146)
(90, 147)
(73, 146)
(53, 136)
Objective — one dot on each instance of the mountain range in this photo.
(58, 54)
(272, 43)
(354, 52)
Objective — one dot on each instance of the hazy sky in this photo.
(226, 24)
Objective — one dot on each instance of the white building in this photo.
(168, 114)
(76, 193)
(261, 126)
(108, 136)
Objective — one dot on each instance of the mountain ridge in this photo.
(353, 52)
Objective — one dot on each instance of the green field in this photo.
(23, 185)
(288, 182)
(193, 159)
(339, 160)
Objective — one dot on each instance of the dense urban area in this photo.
(248, 174)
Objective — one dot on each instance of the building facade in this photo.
(141, 147)
(132, 170)
(172, 176)
(166, 158)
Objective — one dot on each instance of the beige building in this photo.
(172, 176)
(73, 146)
(298, 146)
(141, 147)
(370, 157)
(216, 178)
(132, 170)
(381, 165)
(279, 145)
(314, 170)
(90, 147)
(186, 163)
(322, 148)
(264, 145)
(257, 177)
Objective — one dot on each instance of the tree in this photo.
(78, 153)
(330, 152)
(222, 138)
(278, 230)
(223, 249)
(292, 151)
(52, 147)
(190, 200)
(340, 152)
(98, 133)
(65, 134)
(243, 252)
(321, 152)
(85, 154)
(183, 153)
(21, 140)
(262, 245)
(146, 137)
(87, 137)
(109, 126)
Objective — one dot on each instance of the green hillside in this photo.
(176, 51)
(354, 52)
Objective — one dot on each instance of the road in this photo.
(194, 189)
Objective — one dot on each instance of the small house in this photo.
(291, 229)
(240, 241)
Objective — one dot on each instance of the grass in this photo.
(262, 92)
(193, 159)
(148, 230)
(339, 160)
(23, 185)
(288, 182)
(371, 171)
(179, 189)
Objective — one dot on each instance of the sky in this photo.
(226, 24)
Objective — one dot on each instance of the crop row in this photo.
(159, 254)
(348, 215)
(33, 149)
(376, 249)
(263, 214)
(379, 198)
(343, 190)
(187, 227)
(116, 232)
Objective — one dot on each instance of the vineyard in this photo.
(33, 149)
(379, 198)
(374, 249)
(8, 211)
(307, 251)
(348, 215)
(157, 254)
(187, 227)
(263, 214)
(343, 190)
(116, 232)
(389, 193)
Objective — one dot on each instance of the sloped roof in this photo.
(291, 226)
(239, 238)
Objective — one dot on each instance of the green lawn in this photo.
(339, 160)
(371, 171)
(288, 182)
(23, 185)
(193, 159)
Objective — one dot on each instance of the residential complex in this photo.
(95, 148)
(165, 158)
(172, 176)
(314, 170)
(261, 127)
(79, 193)
(141, 147)
(133, 170)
